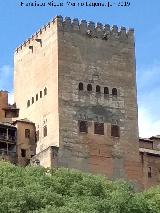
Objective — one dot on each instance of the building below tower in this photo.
(17, 136)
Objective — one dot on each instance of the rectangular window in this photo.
(149, 172)
(32, 100)
(40, 94)
(28, 103)
(83, 126)
(36, 97)
(115, 132)
(45, 91)
(27, 133)
(99, 128)
(23, 153)
(45, 131)
(37, 135)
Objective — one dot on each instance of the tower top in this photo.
(90, 29)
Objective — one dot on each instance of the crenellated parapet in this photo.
(89, 29)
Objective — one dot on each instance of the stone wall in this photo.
(105, 57)
(25, 143)
(36, 69)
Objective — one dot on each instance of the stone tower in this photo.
(77, 83)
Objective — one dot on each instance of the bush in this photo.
(40, 190)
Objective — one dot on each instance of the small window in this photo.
(32, 100)
(23, 153)
(37, 135)
(149, 172)
(80, 87)
(83, 126)
(89, 87)
(28, 103)
(45, 131)
(115, 132)
(45, 91)
(27, 133)
(99, 128)
(114, 92)
(36, 97)
(106, 91)
(98, 89)
(40, 94)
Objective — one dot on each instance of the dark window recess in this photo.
(32, 100)
(45, 91)
(23, 153)
(27, 133)
(36, 97)
(40, 94)
(80, 87)
(45, 131)
(28, 103)
(89, 87)
(115, 132)
(99, 128)
(149, 172)
(83, 126)
(98, 89)
(114, 92)
(37, 135)
(106, 91)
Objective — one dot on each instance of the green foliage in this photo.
(40, 190)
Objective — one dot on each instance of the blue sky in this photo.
(19, 23)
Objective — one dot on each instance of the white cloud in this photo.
(147, 126)
(148, 99)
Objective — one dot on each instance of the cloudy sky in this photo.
(19, 22)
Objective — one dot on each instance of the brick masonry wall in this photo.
(3, 103)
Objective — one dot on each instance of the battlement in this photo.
(90, 29)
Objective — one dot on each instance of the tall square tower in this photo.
(77, 83)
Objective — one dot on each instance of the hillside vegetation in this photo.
(39, 190)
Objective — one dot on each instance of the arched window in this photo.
(115, 131)
(98, 89)
(114, 92)
(80, 87)
(106, 91)
(89, 87)
(45, 91)
(149, 172)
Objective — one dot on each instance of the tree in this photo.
(40, 190)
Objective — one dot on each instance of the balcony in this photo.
(9, 138)
(7, 133)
